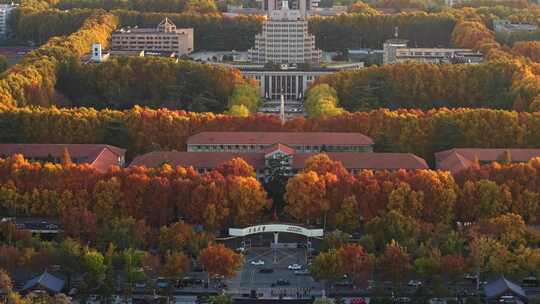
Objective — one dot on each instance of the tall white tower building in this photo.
(285, 38)
(5, 11)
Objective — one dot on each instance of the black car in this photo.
(266, 270)
(281, 282)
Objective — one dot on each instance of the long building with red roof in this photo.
(208, 150)
(455, 160)
(258, 141)
(100, 157)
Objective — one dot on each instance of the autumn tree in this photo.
(357, 263)
(177, 264)
(247, 198)
(453, 266)
(348, 217)
(306, 197)
(220, 260)
(509, 229)
(181, 237)
(528, 49)
(236, 167)
(395, 262)
(6, 286)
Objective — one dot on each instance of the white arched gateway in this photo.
(276, 229)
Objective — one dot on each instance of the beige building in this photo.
(165, 38)
(397, 51)
(285, 39)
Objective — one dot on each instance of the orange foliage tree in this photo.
(220, 260)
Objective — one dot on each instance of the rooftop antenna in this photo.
(282, 109)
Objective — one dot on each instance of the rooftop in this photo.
(455, 160)
(47, 281)
(92, 154)
(350, 160)
(501, 287)
(287, 138)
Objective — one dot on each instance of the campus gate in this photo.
(276, 229)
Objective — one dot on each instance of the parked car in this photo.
(415, 283)
(281, 282)
(507, 299)
(344, 283)
(257, 263)
(301, 272)
(295, 267)
(266, 270)
(162, 283)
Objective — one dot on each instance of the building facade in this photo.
(397, 51)
(284, 60)
(507, 27)
(285, 39)
(287, 150)
(458, 159)
(5, 12)
(164, 38)
(256, 142)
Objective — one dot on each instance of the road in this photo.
(250, 277)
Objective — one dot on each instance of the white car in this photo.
(414, 283)
(295, 267)
(257, 263)
(301, 272)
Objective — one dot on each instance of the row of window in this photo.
(146, 37)
(303, 148)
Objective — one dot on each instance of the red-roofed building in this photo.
(458, 159)
(303, 142)
(353, 161)
(207, 150)
(100, 157)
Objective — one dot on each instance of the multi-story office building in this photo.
(397, 51)
(286, 43)
(165, 38)
(5, 11)
(285, 39)
(304, 6)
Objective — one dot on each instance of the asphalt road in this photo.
(250, 278)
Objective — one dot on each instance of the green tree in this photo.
(245, 96)
(68, 256)
(94, 265)
(3, 63)
(328, 267)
